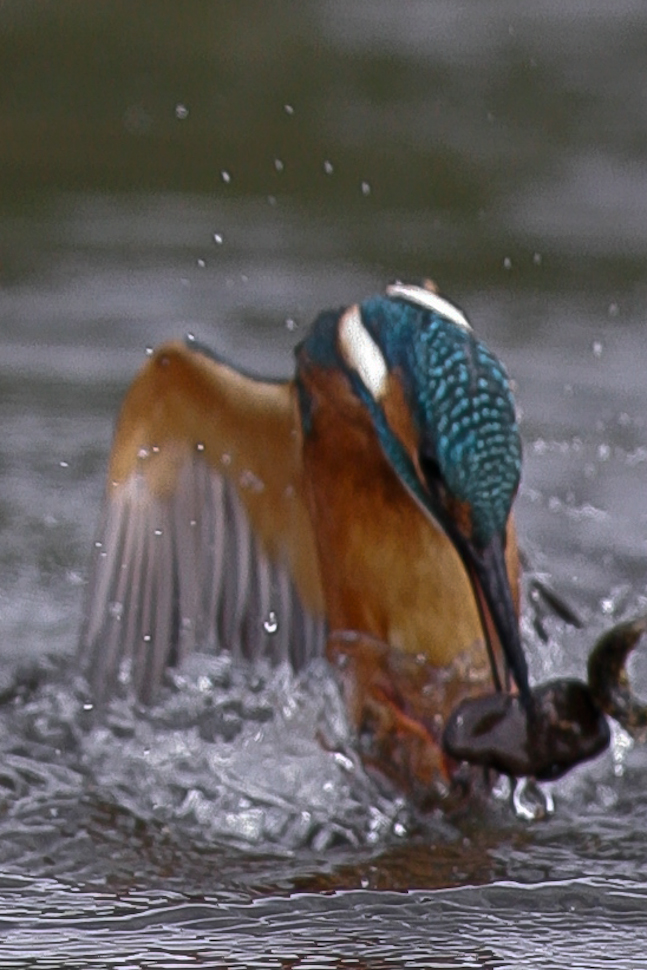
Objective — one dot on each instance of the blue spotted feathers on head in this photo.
(461, 401)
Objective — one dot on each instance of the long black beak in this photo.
(487, 570)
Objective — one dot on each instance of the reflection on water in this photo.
(499, 149)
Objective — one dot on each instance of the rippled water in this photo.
(501, 151)
(569, 923)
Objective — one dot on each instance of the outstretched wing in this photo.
(204, 539)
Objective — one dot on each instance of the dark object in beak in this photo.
(608, 677)
(489, 576)
(563, 727)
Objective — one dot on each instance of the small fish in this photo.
(562, 728)
(565, 722)
(609, 681)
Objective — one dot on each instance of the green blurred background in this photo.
(485, 131)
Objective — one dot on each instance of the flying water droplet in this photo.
(278, 165)
(289, 110)
(200, 446)
(225, 176)
(149, 351)
(328, 167)
(201, 263)
(249, 480)
(366, 188)
(597, 348)
(271, 623)
(181, 112)
(218, 238)
(290, 324)
(604, 452)
(507, 263)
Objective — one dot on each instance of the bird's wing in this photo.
(204, 539)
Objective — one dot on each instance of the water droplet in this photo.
(271, 200)
(225, 458)
(328, 167)
(614, 309)
(290, 324)
(156, 449)
(149, 351)
(64, 464)
(604, 452)
(190, 337)
(147, 638)
(181, 111)
(201, 263)
(200, 446)
(278, 165)
(143, 453)
(88, 706)
(225, 176)
(217, 238)
(193, 523)
(507, 263)
(597, 348)
(271, 623)
(289, 110)
(98, 544)
(366, 188)
(116, 610)
(251, 481)
(399, 829)
(157, 532)
(537, 259)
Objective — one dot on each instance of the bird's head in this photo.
(442, 410)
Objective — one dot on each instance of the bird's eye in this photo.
(429, 467)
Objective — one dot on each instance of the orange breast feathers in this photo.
(387, 569)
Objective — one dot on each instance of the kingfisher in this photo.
(360, 510)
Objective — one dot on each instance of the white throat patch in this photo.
(430, 301)
(361, 353)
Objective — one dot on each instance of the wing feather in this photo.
(204, 538)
